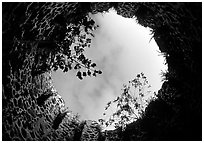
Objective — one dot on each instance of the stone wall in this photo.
(33, 110)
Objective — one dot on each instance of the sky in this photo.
(121, 49)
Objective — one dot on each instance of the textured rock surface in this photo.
(31, 106)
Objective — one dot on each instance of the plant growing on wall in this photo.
(131, 104)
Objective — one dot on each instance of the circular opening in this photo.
(121, 48)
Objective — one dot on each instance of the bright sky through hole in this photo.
(121, 49)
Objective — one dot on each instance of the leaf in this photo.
(61, 66)
(79, 75)
(69, 66)
(94, 74)
(81, 57)
(55, 67)
(88, 40)
(77, 66)
(93, 65)
(101, 121)
(65, 69)
(99, 72)
(84, 73)
(89, 73)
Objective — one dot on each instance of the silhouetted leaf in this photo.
(79, 75)
(77, 66)
(84, 73)
(99, 72)
(65, 69)
(93, 65)
(94, 74)
(89, 73)
(88, 40)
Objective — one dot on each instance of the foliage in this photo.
(130, 105)
(60, 33)
(177, 29)
(38, 38)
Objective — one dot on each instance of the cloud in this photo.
(121, 49)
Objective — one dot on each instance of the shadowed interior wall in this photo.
(176, 115)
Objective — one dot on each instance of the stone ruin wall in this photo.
(32, 108)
